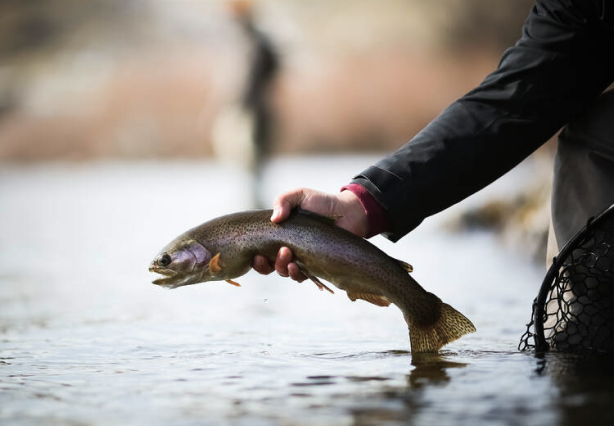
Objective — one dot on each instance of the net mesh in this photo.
(574, 310)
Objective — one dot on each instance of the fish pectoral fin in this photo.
(376, 299)
(215, 267)
(214, 264)
(405, 265)
(320, 285)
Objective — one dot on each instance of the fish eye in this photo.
(165, 260)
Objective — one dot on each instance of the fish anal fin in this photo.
(405, 265)
(376, 299)
(449, 326)
(214, 264)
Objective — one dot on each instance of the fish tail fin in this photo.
(450, 325)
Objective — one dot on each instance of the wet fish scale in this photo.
(322, 250)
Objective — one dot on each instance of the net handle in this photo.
(553, 272)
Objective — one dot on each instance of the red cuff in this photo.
(376, 215)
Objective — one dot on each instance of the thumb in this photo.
(285, 202)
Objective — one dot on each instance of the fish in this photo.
(223, 249)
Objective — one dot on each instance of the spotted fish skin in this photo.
(322, 250)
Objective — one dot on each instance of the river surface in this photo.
(86, 339)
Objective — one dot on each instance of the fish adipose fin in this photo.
(376, 299)
(450, 325)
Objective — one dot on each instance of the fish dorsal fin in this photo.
(330, 220)
(376, 299)
(405, 265)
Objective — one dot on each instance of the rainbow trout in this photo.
(223, 249)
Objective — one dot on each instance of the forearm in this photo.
(558, 67)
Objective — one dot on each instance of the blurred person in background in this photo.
(556, 76)
(249, 123)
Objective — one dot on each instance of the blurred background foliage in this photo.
(150, 79)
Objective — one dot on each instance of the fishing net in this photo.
(574, 310)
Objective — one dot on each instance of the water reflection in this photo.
(86, 339)
(406, 404)
(585, 384)
(430, 370)
(567, 390)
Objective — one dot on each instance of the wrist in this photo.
(373, 214)
(352, 214)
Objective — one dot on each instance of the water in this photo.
(85, 339)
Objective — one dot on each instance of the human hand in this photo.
(345, 204)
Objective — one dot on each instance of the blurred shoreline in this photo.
(250, 83)
(113, 79)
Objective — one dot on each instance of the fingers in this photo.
(284, 257)
(283, 265)
(345, 204)
(295, 273)
(285, 202)
(262, 265)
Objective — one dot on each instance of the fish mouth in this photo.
(170, 278)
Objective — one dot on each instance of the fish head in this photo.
(181, 263)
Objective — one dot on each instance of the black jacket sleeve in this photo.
(563, 61)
